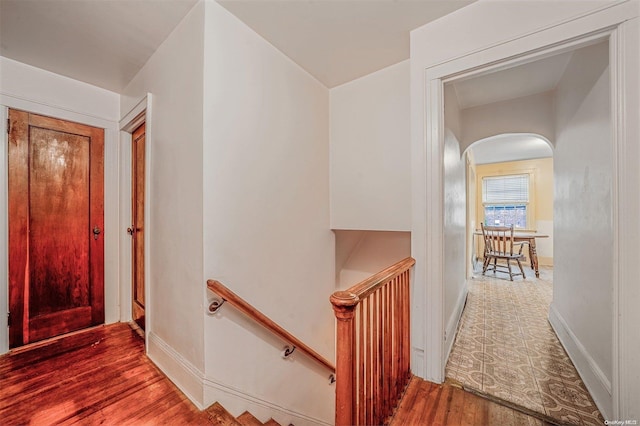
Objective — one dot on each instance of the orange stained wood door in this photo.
(56, 205)
(137, 229)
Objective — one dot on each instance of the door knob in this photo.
(96, 232)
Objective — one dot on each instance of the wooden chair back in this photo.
(498, 240)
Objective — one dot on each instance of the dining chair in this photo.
(499, 246)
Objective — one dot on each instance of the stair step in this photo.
(247, 419)
(218, 415)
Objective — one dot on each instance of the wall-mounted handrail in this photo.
(373, 345)
(253, 313)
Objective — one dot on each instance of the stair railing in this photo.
(253, 313)
(373, 345)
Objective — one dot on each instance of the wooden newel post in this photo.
(344, 304)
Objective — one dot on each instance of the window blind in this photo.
(505, 189)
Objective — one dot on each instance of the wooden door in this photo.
(137, 228)
(56, 205)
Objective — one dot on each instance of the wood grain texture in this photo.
(101, 376)
(371, 284)
(138, 141)
(219, 416)
(373, 345)
(247, 419)
(98, 376)
(56, 267)
(426, 403)
(58, 221)
(18, 182)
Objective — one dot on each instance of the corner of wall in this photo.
(180, 371)
(453, 321)
(236, 402)
(593, 377)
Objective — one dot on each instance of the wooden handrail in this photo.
(373, 345)
(250, 311)
(371, 284)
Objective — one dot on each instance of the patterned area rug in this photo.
(506, 348)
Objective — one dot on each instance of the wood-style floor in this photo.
(426, 403)
(102, 376)
(97, 377)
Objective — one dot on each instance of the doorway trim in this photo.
(616, 23)
(140, 113)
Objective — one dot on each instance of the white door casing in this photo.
(618, 23)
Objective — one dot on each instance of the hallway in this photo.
(506, 348)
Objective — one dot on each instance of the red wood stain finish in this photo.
(426, 403)
(100, 376)
(372, 346)
(59, 221)
(18, 181)
(138, 191)
(56, 266)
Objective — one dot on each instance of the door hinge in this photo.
(8, 319)
(8, 125)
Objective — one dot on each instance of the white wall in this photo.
(174, 310)
(373, 252)
(266, 224)
(583, 227)
(472, 216)
(370, 152)
(455, 198)
(31, 89)
(346, 243)
(528, 114)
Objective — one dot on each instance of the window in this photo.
(506, 200)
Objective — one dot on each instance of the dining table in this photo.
(530, 238)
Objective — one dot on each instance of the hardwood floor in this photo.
(102, 376)
(427, 403)
(96, 377)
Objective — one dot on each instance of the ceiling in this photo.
(338, 41)
(522, 80)
(510, 147)
(106, 42)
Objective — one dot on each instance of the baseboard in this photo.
(236, 402)
(545, 261)
(452, 323)
(198, 389)
(590, 373)
(417, 362)
(180, 371)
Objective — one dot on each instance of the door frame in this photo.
(619, 23)
(111, 258)
(140, 113)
